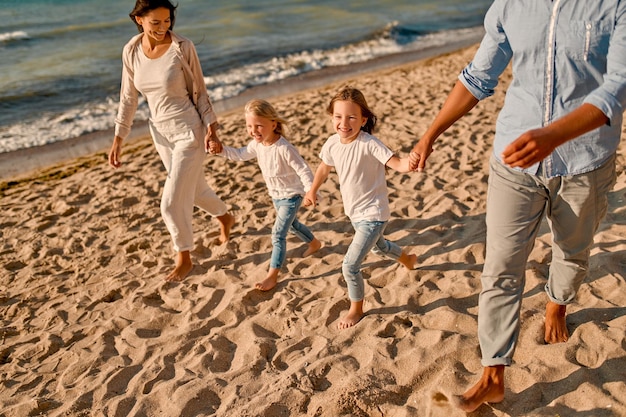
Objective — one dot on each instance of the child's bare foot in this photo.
(408, 260)
(489, 389)
(183, 267)
(355, 314)
(269, 282)
(226, 222)
(314, 246)
(555, 327)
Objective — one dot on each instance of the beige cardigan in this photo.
(129, 95)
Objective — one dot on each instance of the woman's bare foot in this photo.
(314, 246)
(270, 280)
(183, 267)
(355, 314)
(408, 260)
(556, 327)
(489, 389)
(226, 222)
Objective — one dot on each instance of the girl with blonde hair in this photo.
(286, 174)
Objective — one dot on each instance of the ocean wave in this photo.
(72, 123)
(394, 39)
(17, 35)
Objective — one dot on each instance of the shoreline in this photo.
(27, 161)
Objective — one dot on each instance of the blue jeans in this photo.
(286, 211)
(368, 236)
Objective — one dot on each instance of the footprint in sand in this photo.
(441, 404)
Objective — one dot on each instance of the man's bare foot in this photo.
(489, 389)
(355, 314)
(408, 260)
(555, 328)
(270, 280)
(226, 222)
(314, 246)
(183, 267)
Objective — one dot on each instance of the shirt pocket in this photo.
(587, 40)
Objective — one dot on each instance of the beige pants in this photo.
(182, 153)
(516, 203)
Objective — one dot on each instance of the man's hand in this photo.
(530, 148)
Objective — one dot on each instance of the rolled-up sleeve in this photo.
(480, 76)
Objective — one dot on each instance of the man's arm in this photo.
(535, 145)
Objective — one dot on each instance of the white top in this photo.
(360, 166)
(162, 83)
(186, 53)
(285, 172)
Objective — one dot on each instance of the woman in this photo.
(164, 67)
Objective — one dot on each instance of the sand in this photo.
(90, 328)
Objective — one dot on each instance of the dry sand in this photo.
(90, 328)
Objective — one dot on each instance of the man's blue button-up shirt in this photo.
(564, 53)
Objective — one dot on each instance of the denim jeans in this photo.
(368, 236)
(286, 211)
(516, 203)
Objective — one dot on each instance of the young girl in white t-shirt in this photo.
(286, 175)
(359, 160)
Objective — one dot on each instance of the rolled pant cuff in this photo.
(495, 362)
(557, 301)
(221, 212)
(183, 248)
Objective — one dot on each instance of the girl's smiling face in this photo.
(156, 23)
(347, 120)
(261, 129)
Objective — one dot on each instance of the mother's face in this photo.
(156, 23)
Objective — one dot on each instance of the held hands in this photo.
(417, 158)
(214, 146)
(310, 199)
(212, 143)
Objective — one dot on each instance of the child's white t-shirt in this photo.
(285, 172)
(360, 166)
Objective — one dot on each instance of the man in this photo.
(554, 155)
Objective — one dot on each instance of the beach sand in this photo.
(90, 328)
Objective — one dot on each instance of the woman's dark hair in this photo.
(355, 96)
(143, 7)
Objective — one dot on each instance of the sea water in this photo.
(60, 60)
